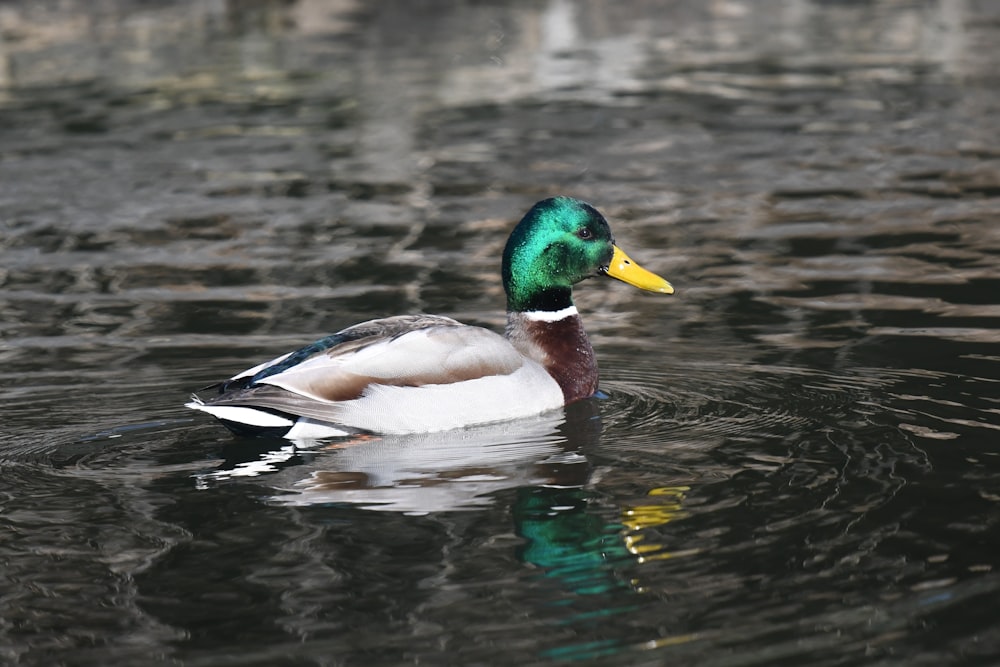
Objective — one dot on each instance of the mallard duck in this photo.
(422, 373)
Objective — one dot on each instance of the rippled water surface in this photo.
(794, 460)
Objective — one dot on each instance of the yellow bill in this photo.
(627, 271)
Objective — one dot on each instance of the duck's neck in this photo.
(555, 339)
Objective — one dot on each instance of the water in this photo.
(795, 461)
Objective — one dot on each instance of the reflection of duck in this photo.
(573, 543)
(596, 562)
(428, 472)
(424, 373)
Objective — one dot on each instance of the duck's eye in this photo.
(584, 233)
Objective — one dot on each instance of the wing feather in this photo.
(432, 355)
(403, 351)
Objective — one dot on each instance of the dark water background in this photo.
(797, 459)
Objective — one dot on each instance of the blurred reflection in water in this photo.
(423, 473)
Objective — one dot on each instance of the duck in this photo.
(423, 373)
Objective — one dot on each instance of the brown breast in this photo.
(562, 347)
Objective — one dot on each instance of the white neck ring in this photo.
(550, 315)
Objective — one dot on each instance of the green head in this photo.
(558, 243)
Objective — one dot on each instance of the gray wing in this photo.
(405, 351)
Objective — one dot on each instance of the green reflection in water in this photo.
(593, 558)
(569, 543)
